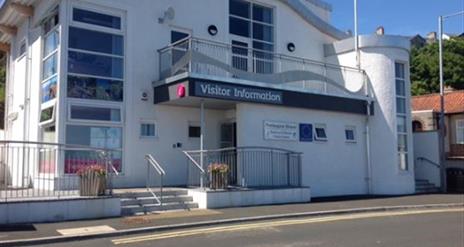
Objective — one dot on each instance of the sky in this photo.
(403, 17)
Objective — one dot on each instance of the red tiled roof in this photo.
(454, 102)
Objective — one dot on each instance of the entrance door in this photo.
(228, 135)
(229, 157)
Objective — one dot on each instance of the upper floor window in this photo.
(460, 131)
(251, 20)
(51, 43)
(95, 18)
(350, 134)
(95, 57)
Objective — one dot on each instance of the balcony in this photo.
(220, 75)
(209, 59)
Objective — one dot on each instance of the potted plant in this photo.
(218, 175)
(92, 180)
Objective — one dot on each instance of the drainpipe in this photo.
(28, 83)
(202, 125)
(369, 102)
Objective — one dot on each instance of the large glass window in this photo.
(256, 23)
(95, 72)
(401, 116)
(95, 18)
(94, 88)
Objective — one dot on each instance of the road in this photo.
(443, 228)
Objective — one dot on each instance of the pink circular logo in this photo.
(181, 91)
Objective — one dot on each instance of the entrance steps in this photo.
(424, 186)
(140, 201)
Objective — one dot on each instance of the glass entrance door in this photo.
(228, 135)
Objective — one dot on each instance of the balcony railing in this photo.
(203, 57)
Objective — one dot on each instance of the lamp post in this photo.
(442, 98)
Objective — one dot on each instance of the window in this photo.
(350, 134)
(96, 65)
(95, 18)
(93, 136)
(147, 130)
(95, 88)
(401, 117)
(256, 23)
(194, 131)
(181, 48)
(49, 89)
(47, 115)
(320, 134)
(50, 60)
(89, 40)
(460, 131)
(95, 113)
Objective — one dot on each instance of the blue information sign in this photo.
(306, 132)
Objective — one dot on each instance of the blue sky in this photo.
(404, 17)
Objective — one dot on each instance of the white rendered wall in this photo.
(144, 35)
(379, 64)
(330, 168)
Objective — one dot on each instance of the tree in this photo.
(425, 69)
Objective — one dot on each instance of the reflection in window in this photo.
(49, 89)
(51, 42)
(50, 66)
(98, 137)
(83, 63)
(95, 88)
(46, 115)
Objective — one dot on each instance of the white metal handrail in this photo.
(153, 163)
(429, 162)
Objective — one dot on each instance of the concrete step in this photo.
(425, 186)
(141, 194)
(153, 208)
(151, 200)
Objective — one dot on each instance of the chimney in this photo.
(448, 89)
(431, 37)
(380, 30)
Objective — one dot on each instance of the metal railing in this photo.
(153, 164)
(249, 167)
(43, 170)
(205, 57)
(428, 161)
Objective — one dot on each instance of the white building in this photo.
(133, 75)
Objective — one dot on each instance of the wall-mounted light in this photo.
(212, 30)
(291, 47)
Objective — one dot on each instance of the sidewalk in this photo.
(323, 204)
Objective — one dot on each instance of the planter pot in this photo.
(92, 184)
(218, 180)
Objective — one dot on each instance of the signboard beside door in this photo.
(280, 131)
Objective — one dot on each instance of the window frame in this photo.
(399, 133)
(22, 54)
(93, 105)
(150, 122)
(316, 136)
(459, 129)
(195, 125)
(49, 121)
(353, 129)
